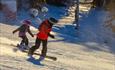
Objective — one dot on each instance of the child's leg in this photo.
(25, 40)
(44, 50)
(34, 48)
(22, 41)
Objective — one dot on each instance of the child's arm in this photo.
(30, 32)
(19, 28)
(16, 30)
(50, 35)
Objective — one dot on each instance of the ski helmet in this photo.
(52, 20)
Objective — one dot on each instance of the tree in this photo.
(0, 5)
(76, 14)
(99, 3)
(111, 18)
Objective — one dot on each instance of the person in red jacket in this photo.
(42, 37)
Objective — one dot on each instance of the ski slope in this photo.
(90, 48)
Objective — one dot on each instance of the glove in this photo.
(32, 35)
(13, 32)
(52, 36)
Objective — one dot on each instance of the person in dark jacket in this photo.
(42, 37)
(23, 29)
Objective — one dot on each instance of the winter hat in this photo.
(52, 20)
(44, 9)
(27, 22)
(34, 12)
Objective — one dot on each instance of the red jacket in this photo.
(44, 30)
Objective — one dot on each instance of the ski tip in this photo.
(54, 58)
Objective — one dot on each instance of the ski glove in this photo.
(50, 35)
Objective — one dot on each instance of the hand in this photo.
(32, 35)
(52, 36)
(13, 32)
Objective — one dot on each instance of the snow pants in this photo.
(37, 45)
(24, 40)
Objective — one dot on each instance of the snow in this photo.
(89, 48)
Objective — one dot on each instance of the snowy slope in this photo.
(93, 29)
(71, 56)
(85, 49)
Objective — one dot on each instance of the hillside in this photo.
(89, 48)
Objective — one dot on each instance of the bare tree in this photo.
(76, 14)
(99, 3)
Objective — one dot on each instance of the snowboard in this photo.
(35, 53)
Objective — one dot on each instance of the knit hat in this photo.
(27, 22)
(52, 20)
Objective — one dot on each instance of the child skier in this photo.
(23, 29)
(42, 36)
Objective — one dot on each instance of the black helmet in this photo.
(52, 20)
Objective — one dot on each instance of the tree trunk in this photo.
(77, 14)
(99, 3)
